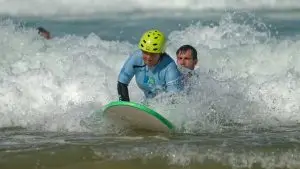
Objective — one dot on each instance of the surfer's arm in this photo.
(123, 92)
(173, 79)
(125, 76)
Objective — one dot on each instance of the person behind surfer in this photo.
(44, 33)
(154, 70)
(187, 59)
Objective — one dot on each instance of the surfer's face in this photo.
(150, 59)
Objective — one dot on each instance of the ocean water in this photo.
(243, 113)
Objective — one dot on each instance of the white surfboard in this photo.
(136, 116)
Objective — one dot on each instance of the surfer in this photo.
(154, 70)
(44, 33)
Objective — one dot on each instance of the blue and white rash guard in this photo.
(163, 77)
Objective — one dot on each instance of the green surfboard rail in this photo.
(142, 108)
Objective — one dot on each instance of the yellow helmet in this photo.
(153, 41)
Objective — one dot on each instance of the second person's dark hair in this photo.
(185, 48)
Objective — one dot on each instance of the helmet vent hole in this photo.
(154, 44)
(155, 37)
(155, 49)
(144, 41)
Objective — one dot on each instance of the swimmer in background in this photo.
(44, 33)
